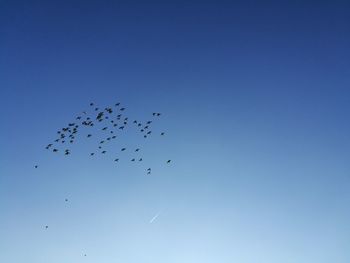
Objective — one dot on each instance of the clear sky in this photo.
(255, 102)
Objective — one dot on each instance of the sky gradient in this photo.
(255, 102)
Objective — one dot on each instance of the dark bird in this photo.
(57, 140)
(135, 121)
(121, 127)
(91, 104)
(66, 200)
(133, 159)
(35, 166)
(140, 159)
(96, 109)
(142, 130)
(89, 135)
(149, 122)
(116, 160)
(103, 152)
(78, 118)
(144, 136)
(122, 109)
(99, 115)
(154, 114)
(123, 149)
(146, 127)
(149, 169)
(55, 150)
(102, 141)
(113, 137)
(139, 124)
(109, 138)
(46, 227)
(137, 149)
(162, 133)
(149, 132)
(117, 104)
(92, 154)
(111, 132)
(99, 147)
(158, 114)
(168, 161)
(105, 128)
(115, 125)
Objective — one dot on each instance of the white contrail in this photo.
(154, 218)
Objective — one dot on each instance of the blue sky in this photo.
(254, 98)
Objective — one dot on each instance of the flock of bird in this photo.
(109, 121)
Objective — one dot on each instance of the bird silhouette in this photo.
(162, 133)
(123, 149)
(168, 161)
(36, 166)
